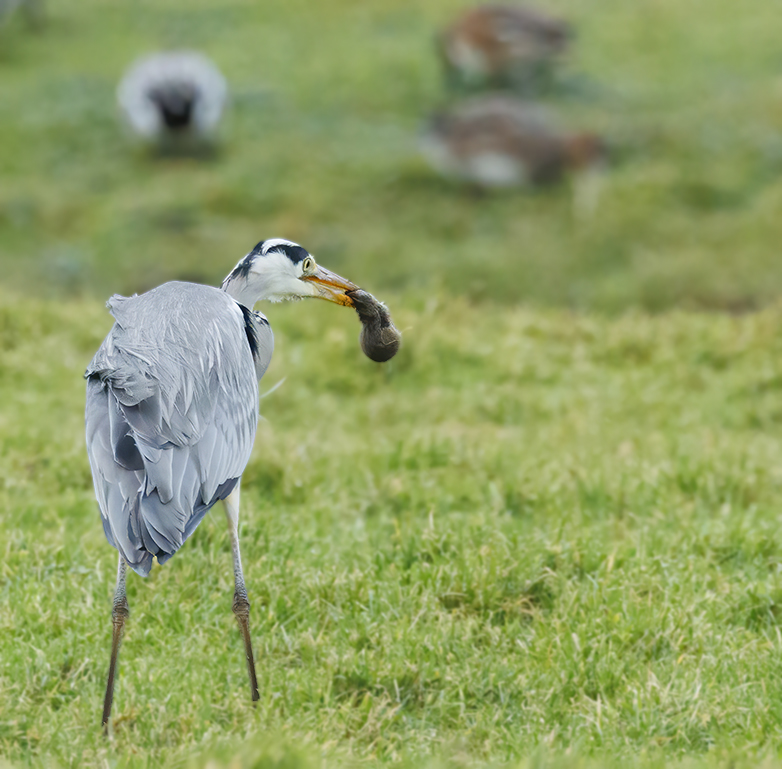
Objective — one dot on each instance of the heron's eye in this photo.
(308, 265)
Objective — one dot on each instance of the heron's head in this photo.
(277, 269)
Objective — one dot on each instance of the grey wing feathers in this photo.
(172, 408)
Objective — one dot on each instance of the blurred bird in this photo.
(172, 408)
(503, 45)
(173, 99)
(497, 141)
(32, 10)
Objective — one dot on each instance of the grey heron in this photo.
(173, 98)
(172, 409)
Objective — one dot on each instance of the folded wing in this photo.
(172, 408)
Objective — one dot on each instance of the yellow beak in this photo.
(332, 287)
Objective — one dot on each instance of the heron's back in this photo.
(172, 408)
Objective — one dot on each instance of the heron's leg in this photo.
(241, 603)
(118, 615)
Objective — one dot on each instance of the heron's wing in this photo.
(117, 473)
(172, 407)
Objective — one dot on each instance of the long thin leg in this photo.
(241, 604)
(118, 615)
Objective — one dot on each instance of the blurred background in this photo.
(319, 144)
(555, 526)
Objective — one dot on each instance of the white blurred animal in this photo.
(173, 99)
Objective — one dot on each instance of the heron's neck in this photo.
(239, 289)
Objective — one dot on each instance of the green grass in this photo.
(545, 535)
(320, 148)
(530, 531)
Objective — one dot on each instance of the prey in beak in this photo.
(331, 287)
(380, 339)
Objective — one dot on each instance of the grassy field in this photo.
(328, 98)
(546, 535)
(531, 531)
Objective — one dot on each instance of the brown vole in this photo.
(380, 339)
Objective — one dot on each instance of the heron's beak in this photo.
(332, 287)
